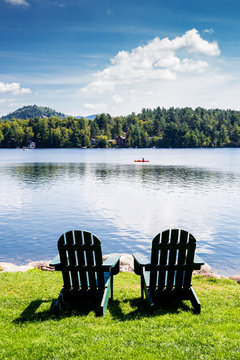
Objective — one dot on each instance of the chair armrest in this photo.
(56, 263)
(112, 264)
(198, 260)
(140, 261)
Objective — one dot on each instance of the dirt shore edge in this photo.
(126, 264)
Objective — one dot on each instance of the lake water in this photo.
(46, 192)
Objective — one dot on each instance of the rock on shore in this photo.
(126, 265)
(42, 264)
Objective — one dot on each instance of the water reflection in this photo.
(42, 174)
(38, 173)
(125, 205)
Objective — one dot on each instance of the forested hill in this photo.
(160, 127)
(32, 111)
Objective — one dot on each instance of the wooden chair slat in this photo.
(72, 260)
(168, 267)
(81, 259)
(81, 247)
(98, 259)
(170, 246)
(163, 259)
(154, 260)
(181, 258)
(90, 259)
(64, 261)
(189, 260)
(172, 258)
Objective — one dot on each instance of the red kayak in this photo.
(141, 160)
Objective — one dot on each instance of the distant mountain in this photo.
(31, 111)
(89, 117)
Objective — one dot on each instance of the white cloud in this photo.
(175, 64)
(13, 88)
(17, 2)
(159, 60)
(117, 99)
(59, 4)
(178, 72)
(95, 107)
(209, 31)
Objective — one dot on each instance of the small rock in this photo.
(206, 271)
(42, 264)
(126, 263)
(8, 267)
(236, 278)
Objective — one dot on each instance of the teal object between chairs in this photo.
(85, 276)
(168, 275)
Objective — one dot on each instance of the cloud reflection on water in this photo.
(125, 205)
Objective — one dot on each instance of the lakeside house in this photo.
(93, 142)
(32, 145)
(121, 141)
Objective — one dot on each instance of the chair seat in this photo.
(79, 292)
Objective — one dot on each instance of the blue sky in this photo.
(83, 57)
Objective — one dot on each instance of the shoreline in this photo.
(126, 265)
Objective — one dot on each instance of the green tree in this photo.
(117, 128)
(1, 137)
(223, 136)
(235, 135)
(102, 141)
(94, 129)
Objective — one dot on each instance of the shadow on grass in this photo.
(115, 307)
(141, 309)
(32, 313)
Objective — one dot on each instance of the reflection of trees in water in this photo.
(159, 174)
(45, 173)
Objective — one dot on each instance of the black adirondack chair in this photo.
(168, 275)
(85, 276)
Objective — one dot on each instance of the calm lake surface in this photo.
(46, 192)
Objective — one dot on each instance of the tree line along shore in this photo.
(160, 128)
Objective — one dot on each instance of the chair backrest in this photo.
(172, 260)
(81, 261)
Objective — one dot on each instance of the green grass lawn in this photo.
(29, 329)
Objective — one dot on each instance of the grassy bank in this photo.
(29, 330)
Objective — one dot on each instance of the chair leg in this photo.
(148, 295)
(111, 286)
(150, 300)
(58, 306)
(142, 287)
(103, 306)
(195, 302)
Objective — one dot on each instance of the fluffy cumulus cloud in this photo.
(17, 2)
(95, 107)
(117, 99)
(13, 88)
(159, 60)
